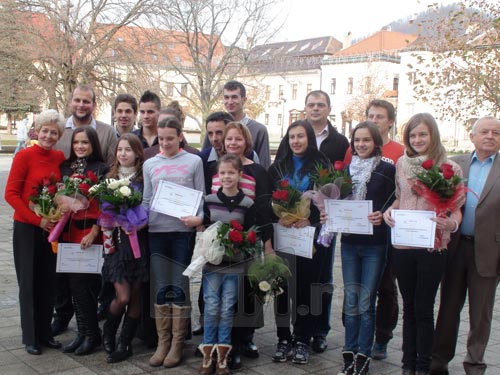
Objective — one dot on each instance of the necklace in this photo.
(126, 172)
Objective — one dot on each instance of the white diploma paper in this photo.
(176, 200)
(413, 228)
(295, 241)
(71, 258)
(348, 216)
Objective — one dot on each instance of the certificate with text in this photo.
(71, 258)
(413, 228)
(176, 200)
(295, 241)
(348, 216)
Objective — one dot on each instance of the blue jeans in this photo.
(220, 294)
(362, 268)
(170, 255)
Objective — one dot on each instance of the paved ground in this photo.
(14, 359)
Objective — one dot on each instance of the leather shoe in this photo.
(249, 349)
(319, 344)
(33, 349)
(57, 327)
(234, 359)
(51, 343)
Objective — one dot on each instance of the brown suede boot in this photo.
(207, 366)
(222, 353)
(163, 320)
(180, 325)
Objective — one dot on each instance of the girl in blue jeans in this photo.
(220, 282)
(363, 256)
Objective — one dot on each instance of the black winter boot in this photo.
(73, 345)
(109, 332)
(124, 347)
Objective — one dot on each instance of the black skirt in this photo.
(121, 265)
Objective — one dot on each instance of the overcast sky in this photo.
(315, 18)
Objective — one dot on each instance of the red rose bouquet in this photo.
(72, 196)
(289, 203)
(329, 183)
(442, 188)
(237, 241)
(221, 240)
(42, 199)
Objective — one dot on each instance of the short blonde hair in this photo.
(50, 116)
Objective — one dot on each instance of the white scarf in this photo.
(361, 172)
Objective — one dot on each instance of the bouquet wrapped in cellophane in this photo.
(120, 207)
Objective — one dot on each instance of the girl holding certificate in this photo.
(419, 270)
(363, 256)
(171, 242)
(296, 164)
(121, 268)
(82, 228)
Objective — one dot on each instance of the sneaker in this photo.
(284, 351)
(379, 351)
(361, 364)
(301, 353)
(348, 368)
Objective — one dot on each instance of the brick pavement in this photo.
(14, 360)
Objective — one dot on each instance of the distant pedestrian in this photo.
(22, 135)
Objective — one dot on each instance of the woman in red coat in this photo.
(33, 257)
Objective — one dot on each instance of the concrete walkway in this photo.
(15, 361)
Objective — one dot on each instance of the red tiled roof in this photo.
(381, 41)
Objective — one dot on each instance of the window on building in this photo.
(280, 119)
(268, 92)
(309, 88)
(266, 119)
(412, 77)
(294, 116)
(395, 83)
(294, 91)
(333, 86)
(184, 89)
(170, 89)
(368, 85)
(280, 92)
(350, 82)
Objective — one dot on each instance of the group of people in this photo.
(235, 174)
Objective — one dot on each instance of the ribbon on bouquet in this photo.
(70, 205)
(129, 219)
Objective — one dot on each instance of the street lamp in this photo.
(283, 101)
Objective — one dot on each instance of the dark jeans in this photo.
(387, 302)
(35, 270)
(419, 273)
(313, 295)
(170, 255)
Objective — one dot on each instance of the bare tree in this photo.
(61, 43)
(461, 78)
(216, 37)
